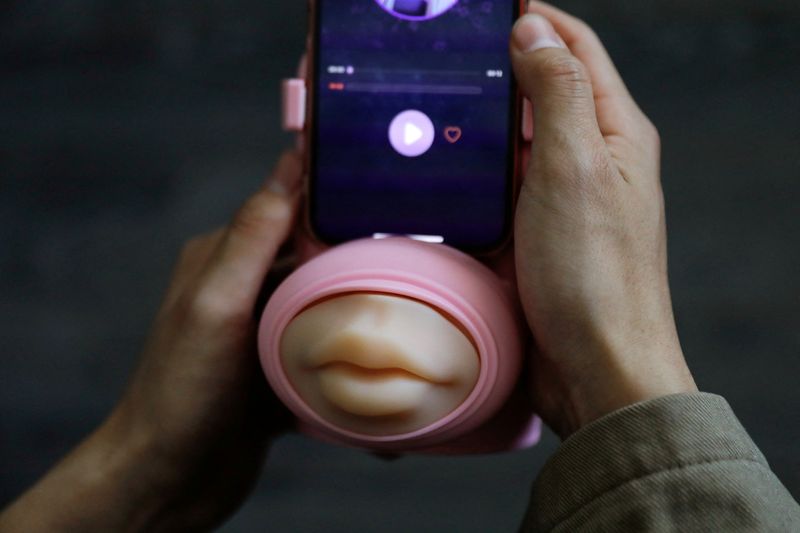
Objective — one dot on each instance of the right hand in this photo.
(591, 253)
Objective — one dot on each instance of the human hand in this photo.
(199, 388)
(590, 234)
(185, 444)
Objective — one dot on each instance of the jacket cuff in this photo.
(639, 440)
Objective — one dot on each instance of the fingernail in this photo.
(534, 32)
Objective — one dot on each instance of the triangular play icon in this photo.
(412, 134)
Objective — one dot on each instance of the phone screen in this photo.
(413, 127)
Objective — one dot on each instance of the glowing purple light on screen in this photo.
(416, 10)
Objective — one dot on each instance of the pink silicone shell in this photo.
(448, 280)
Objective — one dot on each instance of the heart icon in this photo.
(452, 134)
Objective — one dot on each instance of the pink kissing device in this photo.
(396, 345)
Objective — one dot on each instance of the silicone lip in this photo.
(404, 284)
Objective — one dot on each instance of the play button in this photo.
(411, 133)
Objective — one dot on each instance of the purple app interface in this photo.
(413, 120)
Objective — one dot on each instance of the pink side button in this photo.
(294, 104)
(527, 120)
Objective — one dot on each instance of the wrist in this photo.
(178, 483)
(618, 379)
(108, 483)
(590, 405)
(126, 476)
(135, 451)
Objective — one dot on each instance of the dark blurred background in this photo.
(128, 126)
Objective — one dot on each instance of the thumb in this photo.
(556, 82)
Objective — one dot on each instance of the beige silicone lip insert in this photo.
(375, 351)
(378, 364)
(371, 393)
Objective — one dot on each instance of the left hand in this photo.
(185, 444)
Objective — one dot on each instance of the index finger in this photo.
(249, 246)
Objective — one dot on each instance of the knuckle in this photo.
(197, 244)
(647, 134)
(262, 210)
(653, 135)
(597, 173)
(563, 69)
(206, 308)
(579, 176)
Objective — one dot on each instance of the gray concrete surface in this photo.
(126, 127)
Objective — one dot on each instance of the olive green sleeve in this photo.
(677, 463)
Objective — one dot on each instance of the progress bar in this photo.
(406, 88)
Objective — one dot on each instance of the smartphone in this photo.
(414, 121)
